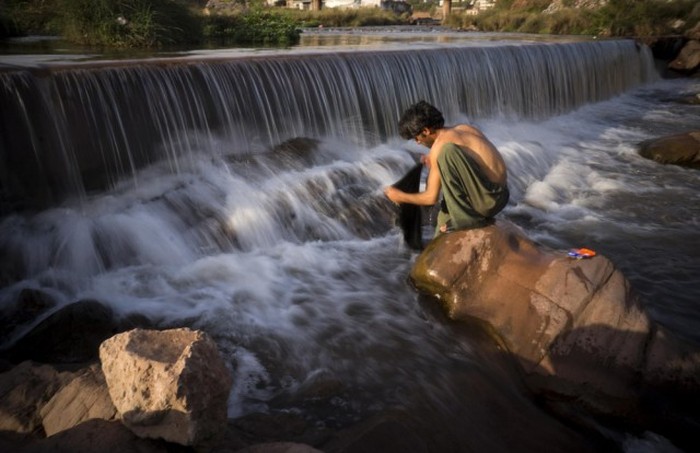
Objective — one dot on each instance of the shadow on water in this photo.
(466, 396)
(591, 386)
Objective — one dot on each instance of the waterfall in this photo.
(68, 131)
(242, 195)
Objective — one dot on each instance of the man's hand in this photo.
(393, 194)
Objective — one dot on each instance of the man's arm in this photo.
(426, 198)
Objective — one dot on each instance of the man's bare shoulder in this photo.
(462, 135)
(461, 129)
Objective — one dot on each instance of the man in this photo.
(462, 162)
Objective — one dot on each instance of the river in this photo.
(158, 186)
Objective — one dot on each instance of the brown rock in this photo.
(575, 325)
(168, 384)
(24, 390)
(95, 436)
(688, 60)
(680, 149)
(694, 33)
(673, 366)
(84, 398)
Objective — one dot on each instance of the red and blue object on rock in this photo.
(581, 253)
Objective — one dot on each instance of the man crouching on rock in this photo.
(461, 161)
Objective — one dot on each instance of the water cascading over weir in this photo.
(72, 130)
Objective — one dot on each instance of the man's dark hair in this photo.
(417, 117)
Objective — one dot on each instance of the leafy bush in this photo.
(255, 26)
(20, 17)
(7, 26)
(128, 23)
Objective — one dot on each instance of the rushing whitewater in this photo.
(87, 128)
(243, 196)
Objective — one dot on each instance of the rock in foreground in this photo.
(168, 384)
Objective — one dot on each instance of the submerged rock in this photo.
(575, 326)
(679, 149)
(72, 334)
(168, 384)
(29, 305)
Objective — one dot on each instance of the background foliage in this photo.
(253, 26)
(159, 23)
(612, 18)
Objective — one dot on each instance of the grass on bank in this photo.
(128, 23)
(615, 18)
(142, 23)
(255, 26)
(105, 23)
(159, 23)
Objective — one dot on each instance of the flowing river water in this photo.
(240, 192)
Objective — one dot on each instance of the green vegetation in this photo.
(615, 18)
(254, 26)
(159, 23)
(127, 23)
(19, 16)
(143, 23)
(104, 23)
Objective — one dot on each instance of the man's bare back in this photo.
(473, 142)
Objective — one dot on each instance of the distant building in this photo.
(484, 4)
(476, 5)
(346, 3)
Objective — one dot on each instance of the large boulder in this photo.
(575, 326)
(679, 149)
(169, 384)
(688, 60)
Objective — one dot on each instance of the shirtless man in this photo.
(462, 162)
